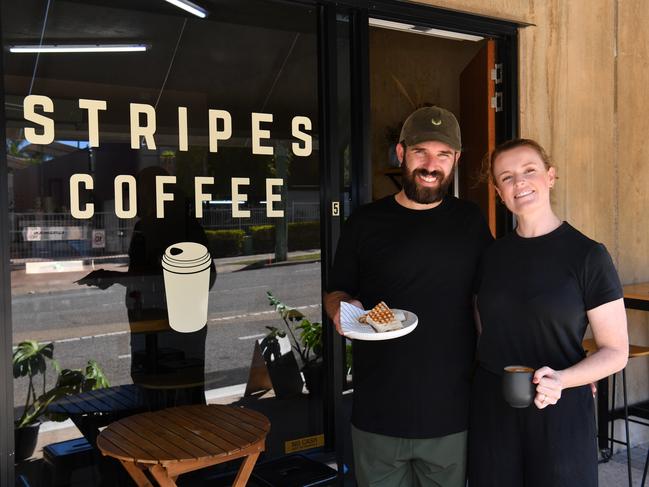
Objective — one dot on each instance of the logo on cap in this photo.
(436, 122)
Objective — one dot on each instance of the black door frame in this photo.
(6, 379)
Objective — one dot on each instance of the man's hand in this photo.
(100, 278)
(332, 302)
(336, 318)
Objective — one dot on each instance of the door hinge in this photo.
(497, 101)
(497, 73)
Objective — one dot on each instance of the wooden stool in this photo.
(635, 351)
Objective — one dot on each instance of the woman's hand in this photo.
(548, 387)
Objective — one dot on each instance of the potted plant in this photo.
(307, 343)
(30, 360)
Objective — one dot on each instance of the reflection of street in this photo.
(91, 323)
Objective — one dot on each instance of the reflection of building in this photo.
(355, 80)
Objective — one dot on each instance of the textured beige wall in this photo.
(515, 10)
(633, 130)
(632, 153)
(567, 103)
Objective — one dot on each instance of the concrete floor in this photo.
(614, 472)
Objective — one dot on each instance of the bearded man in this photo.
(417, 250)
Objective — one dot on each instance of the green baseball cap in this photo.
(431, 123)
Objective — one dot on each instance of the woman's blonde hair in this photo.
(489, 159)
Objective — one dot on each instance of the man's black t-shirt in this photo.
(424, 261)
(534, 294)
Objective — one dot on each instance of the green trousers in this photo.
(386, 461)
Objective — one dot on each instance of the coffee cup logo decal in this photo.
(186, 270)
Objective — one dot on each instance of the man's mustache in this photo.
(423, 172)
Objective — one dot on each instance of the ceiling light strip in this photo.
(447, 34)
(190, 7)
(54, 48)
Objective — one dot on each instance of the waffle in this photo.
(381, 318)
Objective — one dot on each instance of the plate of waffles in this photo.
(379, 323)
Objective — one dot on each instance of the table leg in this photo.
(136, 474)
(603, 418)
(245, 470)
(162, 477)
(87, 426)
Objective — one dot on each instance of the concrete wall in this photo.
(632, 154)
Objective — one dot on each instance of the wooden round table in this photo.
(170, 442)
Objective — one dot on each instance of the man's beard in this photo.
(422, 194)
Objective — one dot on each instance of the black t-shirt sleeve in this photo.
(601, 282)
(345, 273)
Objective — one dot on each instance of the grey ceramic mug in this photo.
(518, 388)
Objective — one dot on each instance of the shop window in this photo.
(206, 137)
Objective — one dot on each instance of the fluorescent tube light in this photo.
(78, 48)
(190, 7)
(388, 24)
(418, 29)
(451, 35)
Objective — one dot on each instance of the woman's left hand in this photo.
(549, 387)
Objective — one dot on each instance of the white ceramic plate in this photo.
(359, 331)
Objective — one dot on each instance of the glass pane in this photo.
(155, 192)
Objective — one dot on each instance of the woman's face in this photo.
(522, 180)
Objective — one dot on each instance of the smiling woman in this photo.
(540, 287)
(522, 172)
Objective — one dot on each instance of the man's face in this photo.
(427, 170)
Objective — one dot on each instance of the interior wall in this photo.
(406, 71)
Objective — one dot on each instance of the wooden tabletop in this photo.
(637, 291)
(183, 433)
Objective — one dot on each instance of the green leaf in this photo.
(29, 358)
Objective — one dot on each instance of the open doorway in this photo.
(413, 66)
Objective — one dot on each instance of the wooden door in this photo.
(478, 123)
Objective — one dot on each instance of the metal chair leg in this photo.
(626, 426)
(612, 416)
(644, 473)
